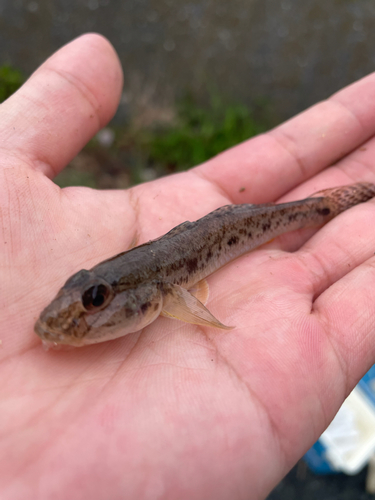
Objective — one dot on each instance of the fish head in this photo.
(89, 310)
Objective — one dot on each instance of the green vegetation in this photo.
(10, 80)
(202, 132)
(196, 134)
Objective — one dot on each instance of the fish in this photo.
(167, 276)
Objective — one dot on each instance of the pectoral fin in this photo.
(200, 291)
(181, 304)
(134, 241)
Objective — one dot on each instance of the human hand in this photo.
(177, 411)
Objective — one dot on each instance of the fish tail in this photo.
(344, 197)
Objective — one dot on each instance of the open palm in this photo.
(177, 411)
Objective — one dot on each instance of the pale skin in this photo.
(177, 411)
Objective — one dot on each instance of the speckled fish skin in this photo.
(127, 292)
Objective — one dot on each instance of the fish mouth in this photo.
(53, 339)
(46, 333)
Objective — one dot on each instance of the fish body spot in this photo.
(192, 265)
(323, 211)
(129, 312)
(145, 306)
(232, 241)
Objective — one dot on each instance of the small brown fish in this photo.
(166, 276)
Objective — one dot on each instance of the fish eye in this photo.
(95, 297)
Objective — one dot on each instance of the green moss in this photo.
(71, 177)
(10, 80)
(202, 132)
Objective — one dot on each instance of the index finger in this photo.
(298, 149)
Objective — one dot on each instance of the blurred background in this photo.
(200, 76)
